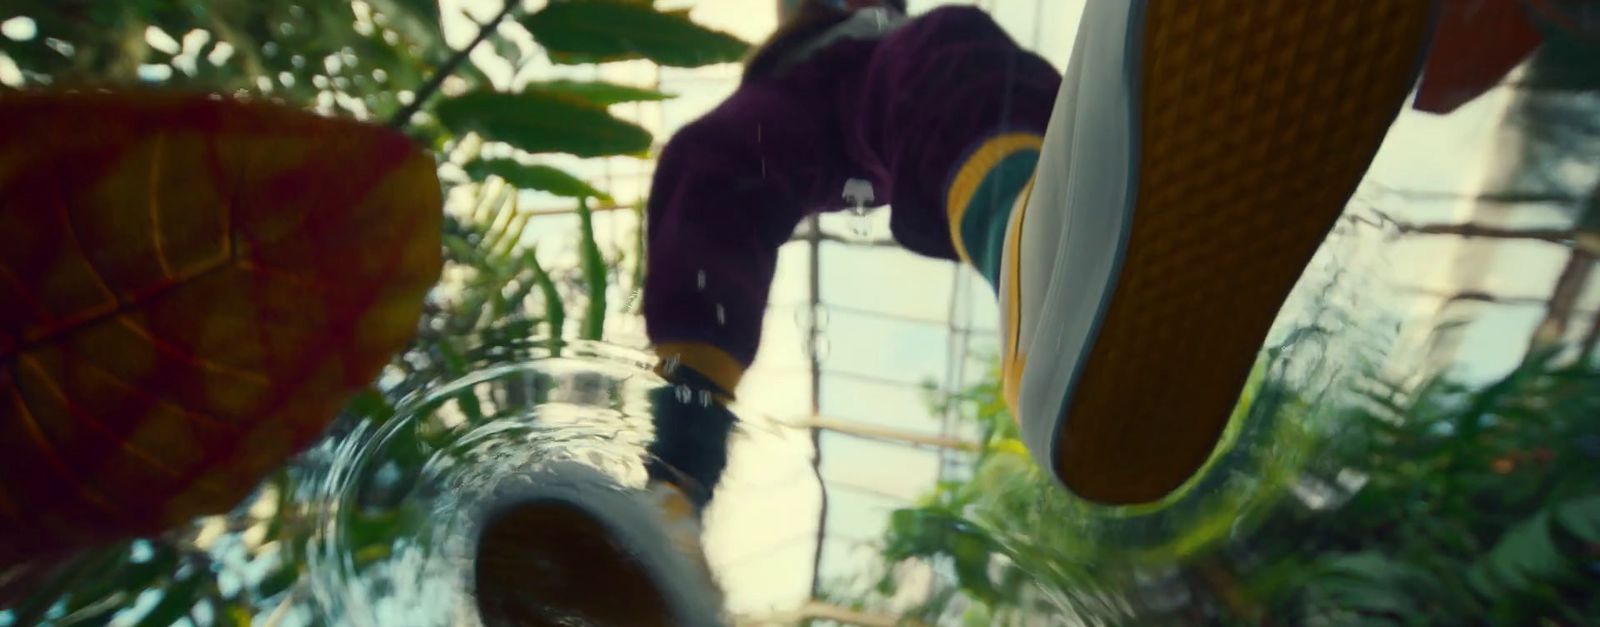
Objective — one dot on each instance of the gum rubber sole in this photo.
(1257, 119)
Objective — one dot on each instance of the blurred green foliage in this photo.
(1471, 504)
(1481, 504)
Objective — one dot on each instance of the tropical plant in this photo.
(383, 61)
(1472, 504)
(997, 536)
(1479, 504)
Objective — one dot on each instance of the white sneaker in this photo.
(1198, 154)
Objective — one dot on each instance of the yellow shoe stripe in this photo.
(1011, 372)
(971, 174)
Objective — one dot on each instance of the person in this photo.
(1140, 219)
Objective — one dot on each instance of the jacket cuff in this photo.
(713, 364)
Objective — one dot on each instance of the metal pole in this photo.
(812, 342)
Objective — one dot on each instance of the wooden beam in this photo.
(888, 434)
(1591, 340)
(1472, 230)
(814, 292)
(572, 210)
(1479, 296)
(1559, 309)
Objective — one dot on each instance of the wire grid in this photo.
(839, 544)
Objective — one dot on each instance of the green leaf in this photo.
(1480, 582)
(1368, 565)
(593, 32)
(1581, 518)
(52, 581)
(455, 364)
(133, 578)
(279, 580)
(554, 310)
(176, 599)
(971, 554)
(232, 613)
(1369, 582)
(515, 300)
(99, 612)
(1529, 549)
(534, 177)
(374, 532)
(1364, 596)
(1528, 555)
(537, 122)
(638, 247)
(594, 275)
(598, 93)
(369, 404)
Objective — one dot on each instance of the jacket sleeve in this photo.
(934, 96)
(729, 189)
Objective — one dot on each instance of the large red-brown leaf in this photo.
(190, 288)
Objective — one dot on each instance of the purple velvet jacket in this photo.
(900, 111)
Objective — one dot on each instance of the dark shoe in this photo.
(577, 549)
